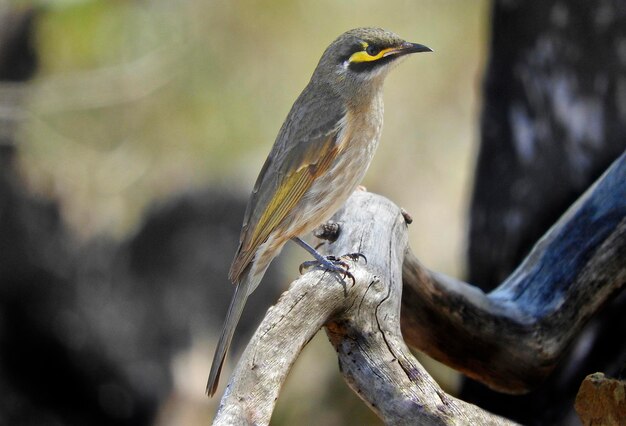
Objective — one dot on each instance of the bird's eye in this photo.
(372, 50)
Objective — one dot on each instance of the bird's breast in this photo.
(358, 137)
(357, 141)
(361, 133)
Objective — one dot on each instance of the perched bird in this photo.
(320, 156)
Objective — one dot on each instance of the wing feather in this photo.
(305, 147)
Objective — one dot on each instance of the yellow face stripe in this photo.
(363, 56)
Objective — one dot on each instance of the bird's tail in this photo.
(243, 289)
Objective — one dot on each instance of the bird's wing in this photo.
(305, 147)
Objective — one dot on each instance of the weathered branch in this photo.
(513, 337)
(510, 338)
(362, 320)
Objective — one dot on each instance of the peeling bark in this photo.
(362, 320)
(510, 338)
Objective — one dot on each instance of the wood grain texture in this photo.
(362, 319)
(509, 339)
(514, 336)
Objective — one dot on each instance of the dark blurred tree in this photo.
(47, 375)
(89, 331)
(554, 118)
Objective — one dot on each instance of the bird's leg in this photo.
(330, 263)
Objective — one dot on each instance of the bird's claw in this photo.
(335, 264)
(330, 263)
(307, 265)
(356, 256)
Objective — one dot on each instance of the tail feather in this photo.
(242, 291)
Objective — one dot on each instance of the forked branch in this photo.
(510, 338)
(362, 320)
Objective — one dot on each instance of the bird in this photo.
(320, 156)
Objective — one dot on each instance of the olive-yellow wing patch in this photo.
(281, 201)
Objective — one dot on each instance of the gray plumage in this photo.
(320, 155)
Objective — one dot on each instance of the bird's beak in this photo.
(405, 48)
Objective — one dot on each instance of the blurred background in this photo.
(134, 101)
(139, 138)
(131, 133)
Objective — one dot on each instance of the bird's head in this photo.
(358, 60)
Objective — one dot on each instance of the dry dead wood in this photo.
(510, 338)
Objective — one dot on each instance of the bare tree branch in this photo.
(512, 338)
(362, 321)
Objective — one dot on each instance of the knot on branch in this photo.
(329, 231)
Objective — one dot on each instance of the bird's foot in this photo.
(356, 256)
(334, 264)
(329, 263)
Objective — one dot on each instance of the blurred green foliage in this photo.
(136, 100)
